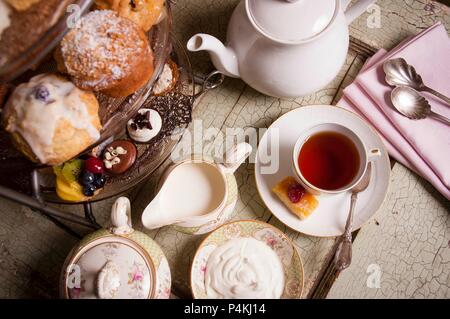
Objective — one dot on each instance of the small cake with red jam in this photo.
(295, 197)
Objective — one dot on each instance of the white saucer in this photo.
(329, 218)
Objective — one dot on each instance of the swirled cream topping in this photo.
(4, 16)
(244, 268)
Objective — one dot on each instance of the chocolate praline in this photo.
(125, 159)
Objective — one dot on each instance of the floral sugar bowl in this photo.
(116, 263)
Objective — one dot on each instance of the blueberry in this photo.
(41, 93)
(89, 190)
(100, 180)
(87, 178)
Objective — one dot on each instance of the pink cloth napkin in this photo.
(424, 145)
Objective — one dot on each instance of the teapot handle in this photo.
(236, 156)
(121, 217)
(355, 10)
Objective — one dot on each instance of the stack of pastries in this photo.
(55, 116)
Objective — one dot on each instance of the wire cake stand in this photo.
(33, 185)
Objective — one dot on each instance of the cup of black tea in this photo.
(330, 159)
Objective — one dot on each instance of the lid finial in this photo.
(108, 281)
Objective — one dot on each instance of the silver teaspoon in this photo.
(400, 73)
(343, 255)
(414, 106)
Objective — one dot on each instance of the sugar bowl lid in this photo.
(110, 264)
(291, 21)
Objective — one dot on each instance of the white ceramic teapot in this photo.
(284, 48)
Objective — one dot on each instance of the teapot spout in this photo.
(223, 58)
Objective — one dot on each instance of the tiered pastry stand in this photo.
(35, 188)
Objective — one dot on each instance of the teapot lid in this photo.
(111, 263)
(110, 268)
(291, 21)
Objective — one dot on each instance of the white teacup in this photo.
(365, 156)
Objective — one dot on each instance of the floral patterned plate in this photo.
(274, 238)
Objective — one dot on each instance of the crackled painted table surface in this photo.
(406, 246)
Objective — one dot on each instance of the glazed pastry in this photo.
(21, 5)
(167, 80)
(295, 197)
(119, 156)
(144, 13)
(106, 53)
(51, 120)
(5, 20)
(144, 126)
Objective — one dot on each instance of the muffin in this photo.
(51, 120)
(144, 13)
(106, 53)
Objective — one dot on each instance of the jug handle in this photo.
(236, 156)
(353, 12)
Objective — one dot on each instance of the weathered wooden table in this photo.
(403, 252)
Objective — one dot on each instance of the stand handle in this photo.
(89, 214)
(35, 204)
